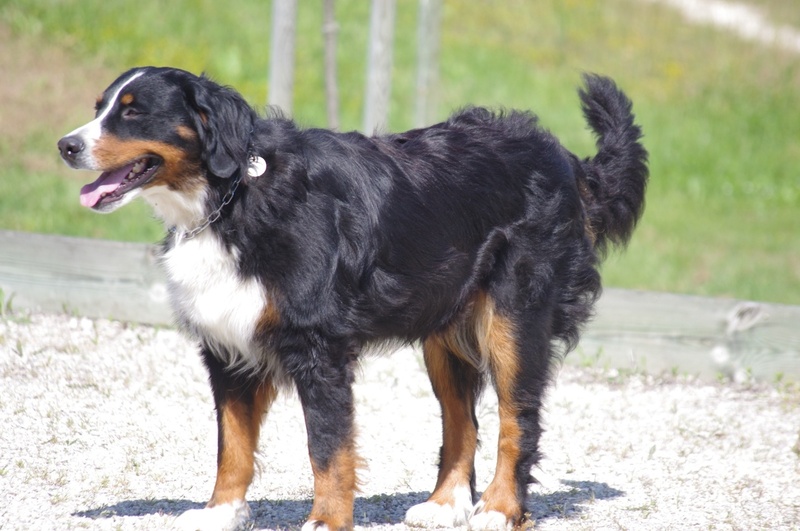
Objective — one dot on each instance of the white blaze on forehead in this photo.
(90, 132)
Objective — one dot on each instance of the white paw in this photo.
(488, 520)
(225, 517)
(432, 514)
(315, 525)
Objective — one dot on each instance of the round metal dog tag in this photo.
(257, 167)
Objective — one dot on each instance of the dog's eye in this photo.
(130, 112)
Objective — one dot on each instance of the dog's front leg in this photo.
(241, 401)
(325, 391)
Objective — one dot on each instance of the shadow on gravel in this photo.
(569, 502)
(374, 510)
(379, 509)
(140, 508)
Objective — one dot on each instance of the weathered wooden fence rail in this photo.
(632, 330)
(96, 278)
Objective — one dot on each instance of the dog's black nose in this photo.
(70, 147)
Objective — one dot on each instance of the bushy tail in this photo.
(615, 179)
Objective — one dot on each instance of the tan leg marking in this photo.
(496, 337)
(334, 489)
(459, 438)
(240, 427)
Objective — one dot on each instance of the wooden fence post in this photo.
(428, 35)
(379, 65)
(329, 30)
(281, 63)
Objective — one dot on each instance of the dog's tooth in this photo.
(136, 169)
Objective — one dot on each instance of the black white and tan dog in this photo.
(290, 251)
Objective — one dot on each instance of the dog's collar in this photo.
(212, 217)
(256, 167)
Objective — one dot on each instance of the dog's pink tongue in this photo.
(105, 184)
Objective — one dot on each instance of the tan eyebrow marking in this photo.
(127, 99)
(186, 133)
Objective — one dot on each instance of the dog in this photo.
(291, 250)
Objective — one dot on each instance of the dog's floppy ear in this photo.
(223, 121)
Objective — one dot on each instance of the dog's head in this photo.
(162, 133)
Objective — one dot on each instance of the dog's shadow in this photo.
(373, 510)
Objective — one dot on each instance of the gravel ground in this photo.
(111, 426)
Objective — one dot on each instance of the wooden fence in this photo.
(632, 330)
(379, 60)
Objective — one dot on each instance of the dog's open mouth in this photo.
(112, 185)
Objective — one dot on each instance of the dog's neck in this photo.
(177, 209)
(198, 225)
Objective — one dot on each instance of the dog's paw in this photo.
(224, 517)
(431, 514)
(315, 525)
(481, 520)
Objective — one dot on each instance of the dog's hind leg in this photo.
(518, 349)
(456, 384)
(241, 402)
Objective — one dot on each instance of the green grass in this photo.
(719, 114)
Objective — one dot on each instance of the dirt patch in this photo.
(46, 91)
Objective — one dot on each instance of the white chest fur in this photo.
(214, 301)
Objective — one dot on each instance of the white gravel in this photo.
(111, 426)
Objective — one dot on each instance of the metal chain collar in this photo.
(215, 215)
